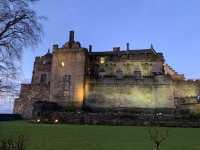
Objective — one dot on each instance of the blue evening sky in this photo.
(173, 26)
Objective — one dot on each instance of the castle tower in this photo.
(68, 73)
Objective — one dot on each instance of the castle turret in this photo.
(68, 70)
(71, 36)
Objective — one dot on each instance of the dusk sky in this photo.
(172, 26)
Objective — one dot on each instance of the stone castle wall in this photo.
(186, 89)
(68, 74)
(145, 93)
(28, 95)
(126, 63)
(112, 79)
(128, 67)
(186, 93)
(42, 69)
(157, 92)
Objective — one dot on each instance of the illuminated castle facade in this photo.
(110, 79)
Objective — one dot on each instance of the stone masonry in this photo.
(71, 74)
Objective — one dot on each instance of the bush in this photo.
(71, 107)
(13, 143)
(194, 115)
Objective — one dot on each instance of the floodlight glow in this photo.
(102, 60)
(62, 64)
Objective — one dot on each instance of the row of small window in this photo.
(120, 75)
(135, 73)
(102, 61)
(118, 70)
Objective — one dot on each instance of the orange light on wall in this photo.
(62, 64)
(80, 94)
(86, 88)
(102, 60)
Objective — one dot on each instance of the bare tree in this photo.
(158, 135)
(19, 28)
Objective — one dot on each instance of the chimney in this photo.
(71, 36)
(127, 46)
(116, 49)
(55, 46)
(90, 48)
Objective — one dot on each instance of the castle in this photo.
(109, 79)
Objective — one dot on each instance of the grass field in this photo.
(86, 137)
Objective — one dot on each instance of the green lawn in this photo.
(88, 137)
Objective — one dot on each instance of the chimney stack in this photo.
(116, 49)
(55, 46)
(127, 46)
(90, 48)
(71, 36)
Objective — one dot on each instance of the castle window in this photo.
(66, 85)
(198, 99)
(102, 60)
(44, 62)
(101, 72)
(43, 78)
(137, 74)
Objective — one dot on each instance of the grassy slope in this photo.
(85, 137)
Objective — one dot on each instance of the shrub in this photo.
(71, 107)
(13, 143)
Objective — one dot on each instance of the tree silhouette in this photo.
(19, 28)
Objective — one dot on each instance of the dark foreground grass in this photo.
(87, 137)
